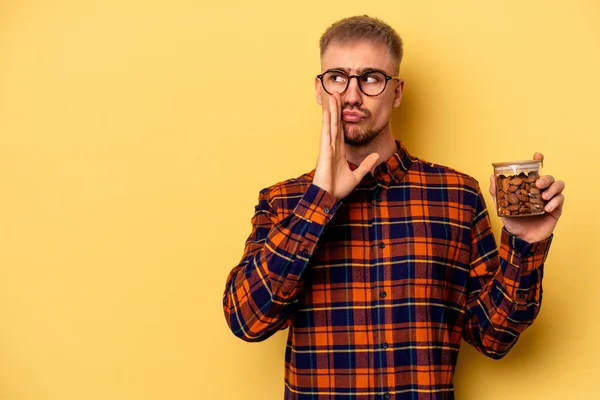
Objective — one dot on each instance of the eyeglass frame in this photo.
(387, 79)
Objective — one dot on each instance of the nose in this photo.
(353, 95)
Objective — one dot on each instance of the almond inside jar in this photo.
(518, 196)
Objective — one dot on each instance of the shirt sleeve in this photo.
(504, 288)
(262, 291)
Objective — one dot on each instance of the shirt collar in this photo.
(393, 169)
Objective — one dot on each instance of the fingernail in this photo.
(548, 208)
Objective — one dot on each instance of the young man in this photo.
(377, 261)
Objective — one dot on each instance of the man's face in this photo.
(366, 117)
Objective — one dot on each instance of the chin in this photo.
(357, 136)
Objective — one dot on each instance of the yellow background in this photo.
(135, 136)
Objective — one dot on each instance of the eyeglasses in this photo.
(371, 83)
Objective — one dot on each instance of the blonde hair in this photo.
(363, 27)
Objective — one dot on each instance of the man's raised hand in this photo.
(333, 173)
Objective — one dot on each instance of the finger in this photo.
(340, 134)
(544, 182)
(556, 203)
(554, 189)
(366, 166)
(335, 121)
(325, 131)
(339, 115)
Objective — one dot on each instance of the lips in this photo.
(350, 116)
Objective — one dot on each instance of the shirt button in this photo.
(383, 293)
(326, 210)
(521, 295)
(304, 252)
(381, 245)
(378, 199)
(384, 345)
(387, 395)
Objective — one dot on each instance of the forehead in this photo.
(357, 55)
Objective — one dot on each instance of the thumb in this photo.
(493, 187)
(539, 156)
(367, 165)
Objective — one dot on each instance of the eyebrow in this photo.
(358, 70)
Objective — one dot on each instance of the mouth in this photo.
(348, 116)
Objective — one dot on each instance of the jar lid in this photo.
(520, 165)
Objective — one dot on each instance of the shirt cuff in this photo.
(317, 205)
(522, 253)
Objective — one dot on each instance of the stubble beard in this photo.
(355, 135)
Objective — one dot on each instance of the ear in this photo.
(318, 91)
(398, 93)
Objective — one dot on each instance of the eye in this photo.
(337, 77)
(371, 78)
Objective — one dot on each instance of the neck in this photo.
(384, 144)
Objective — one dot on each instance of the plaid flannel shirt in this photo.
(378, 288)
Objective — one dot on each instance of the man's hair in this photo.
(363, 27)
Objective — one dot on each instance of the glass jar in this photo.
(516, 193)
